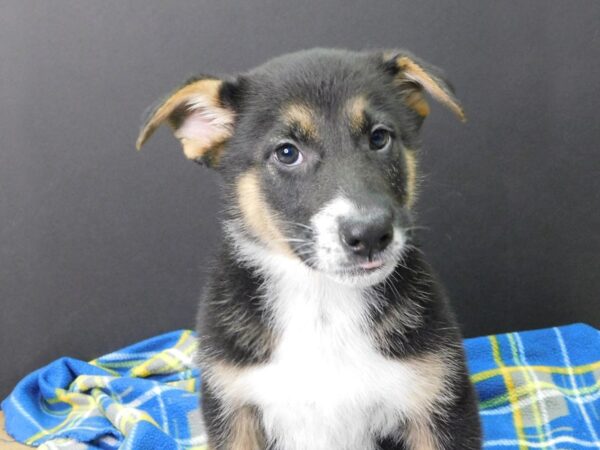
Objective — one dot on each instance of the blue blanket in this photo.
(537, 389)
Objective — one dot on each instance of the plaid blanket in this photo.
(143, 397)
(537, 389)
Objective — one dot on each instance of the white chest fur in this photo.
(326, 385)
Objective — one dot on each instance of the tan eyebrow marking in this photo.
(355, 110)
(303, 117)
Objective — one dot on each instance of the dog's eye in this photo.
(289, 155)
(379, 139)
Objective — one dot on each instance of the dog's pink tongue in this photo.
(371, 265)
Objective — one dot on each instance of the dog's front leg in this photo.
(428, 436)
(231, 428)
(454, 426)
(415, 435)
(457, 426)
(240, 430)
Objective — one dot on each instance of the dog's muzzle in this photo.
(353, 241)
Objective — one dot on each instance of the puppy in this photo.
(322, 327)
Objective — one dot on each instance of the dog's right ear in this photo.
(201, 114)
(413, 75)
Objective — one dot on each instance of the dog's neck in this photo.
(304, 303)
(270, 293)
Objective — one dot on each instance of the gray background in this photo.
(101, 246)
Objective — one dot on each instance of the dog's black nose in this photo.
(368, 235)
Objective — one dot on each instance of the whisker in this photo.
(297, 224)
(290, 240)
(416, 227)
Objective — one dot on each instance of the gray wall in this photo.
(101, 246)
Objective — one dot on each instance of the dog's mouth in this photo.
(372, 265)
(333, 261)
(365, 273)
(344, 267)
(359, 272)
(361, 268)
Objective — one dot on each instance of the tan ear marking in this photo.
(417, 102)
(200, 122)
(176, 100)
(412, 71)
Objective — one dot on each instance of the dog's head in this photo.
(317, 149)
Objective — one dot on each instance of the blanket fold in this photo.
(141, 397)
(537, 389)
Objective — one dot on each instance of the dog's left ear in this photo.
(201, 114)
(413, 76)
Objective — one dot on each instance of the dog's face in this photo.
(317, 149)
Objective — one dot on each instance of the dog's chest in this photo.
(326, 385)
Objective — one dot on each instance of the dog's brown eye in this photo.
(289, 155)
(379, 139)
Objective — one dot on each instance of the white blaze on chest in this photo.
(326, 386)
